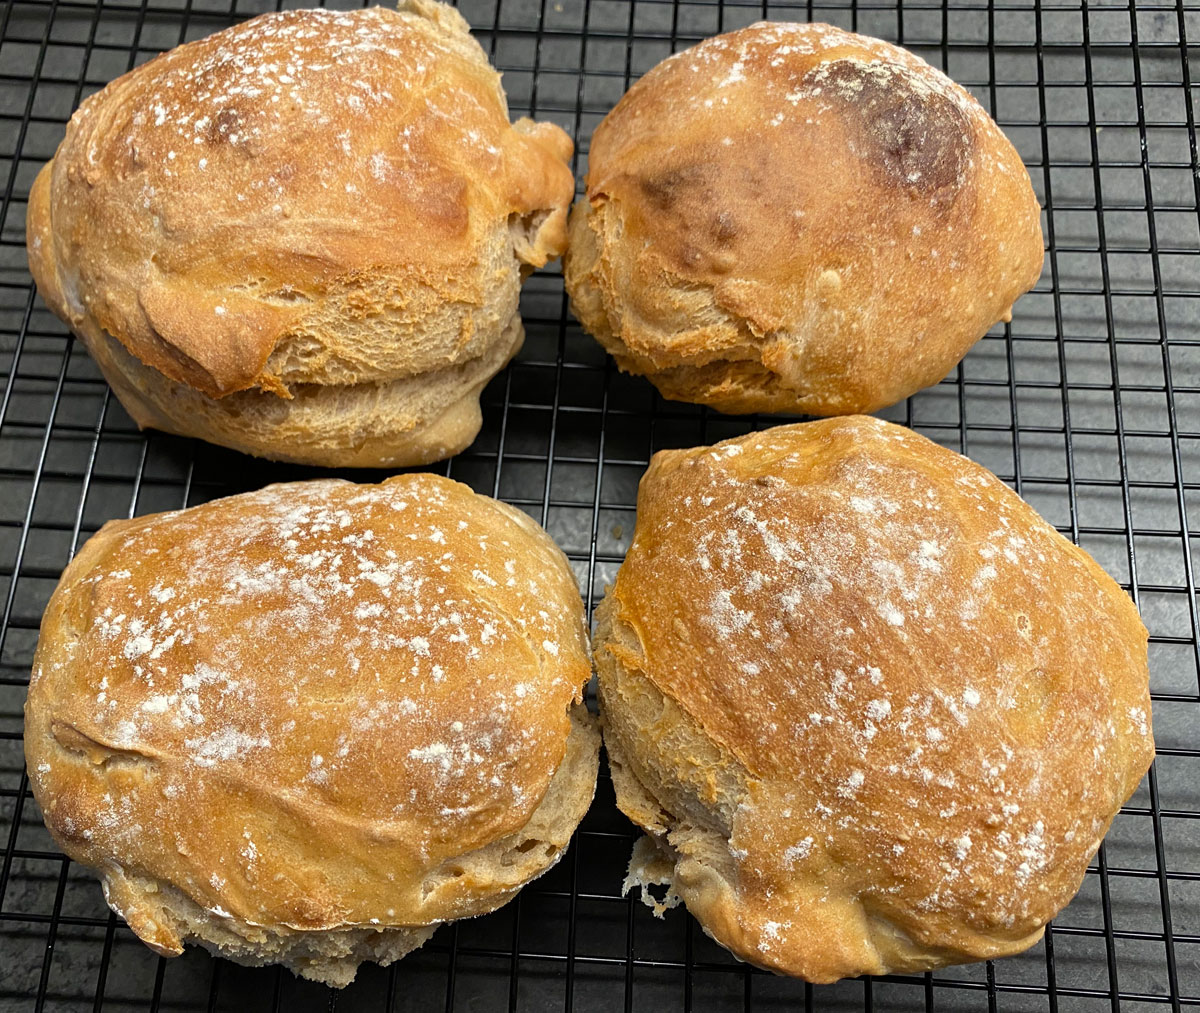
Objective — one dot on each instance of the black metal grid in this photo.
(1088, 404)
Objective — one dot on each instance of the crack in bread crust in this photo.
(374, 424)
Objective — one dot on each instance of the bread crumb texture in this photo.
(797, 218)
(310, 723)
(874, 712)
(311, 203)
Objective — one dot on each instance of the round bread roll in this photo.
(795, 218)
(873, 712)
(309, 724)
(303, 237)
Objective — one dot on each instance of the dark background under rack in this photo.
(1088, 404)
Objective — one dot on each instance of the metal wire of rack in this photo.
(1088, 404)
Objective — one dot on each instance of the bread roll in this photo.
(873, 712)
(795, 218)
(303, 237)
(309, 724)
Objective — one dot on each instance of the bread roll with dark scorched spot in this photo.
(873, 712)
(794, 218)
(304, 237)
(308, 725)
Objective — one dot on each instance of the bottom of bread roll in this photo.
(408, 421)
(475, 883)
(331, 956)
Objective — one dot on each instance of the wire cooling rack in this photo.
(1088, 404)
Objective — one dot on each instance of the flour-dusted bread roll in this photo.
(794, 218)
(873, 712)
(306, 725)
(303, 237)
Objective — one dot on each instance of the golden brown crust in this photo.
(879, 712)
(308, 197)
(796, 218)
(317, 709)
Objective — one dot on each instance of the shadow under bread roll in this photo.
(308, 725)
